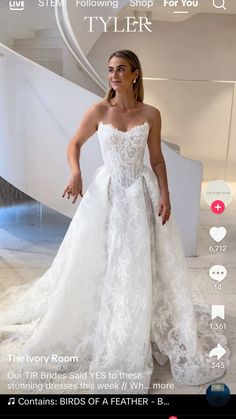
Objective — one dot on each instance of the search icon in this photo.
(221, 6)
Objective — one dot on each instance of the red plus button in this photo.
(217, 207)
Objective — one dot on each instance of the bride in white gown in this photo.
(118, 292)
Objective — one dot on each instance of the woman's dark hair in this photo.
(132, 58)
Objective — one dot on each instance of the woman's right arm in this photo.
(87, 128)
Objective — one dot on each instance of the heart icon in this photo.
(218, 233)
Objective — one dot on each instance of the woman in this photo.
(123, 107)
(117, 294)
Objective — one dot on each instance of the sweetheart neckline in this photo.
(123, 132)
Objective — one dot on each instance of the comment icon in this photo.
(218, 273)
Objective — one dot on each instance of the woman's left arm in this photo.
(158, 165)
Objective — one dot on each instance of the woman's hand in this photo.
(164, 208)
(74, 187)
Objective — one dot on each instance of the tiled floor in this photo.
(31, 234)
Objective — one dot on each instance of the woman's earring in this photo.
(134, 81)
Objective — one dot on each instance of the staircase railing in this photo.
(67, 34)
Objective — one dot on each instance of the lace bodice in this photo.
(123, 151)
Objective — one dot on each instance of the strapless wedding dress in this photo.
(117, 295)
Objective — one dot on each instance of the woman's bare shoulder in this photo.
(100, 108)
(152, 113)
(150, 109)
(96, 111)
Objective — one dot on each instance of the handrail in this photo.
(71, 32)
(86, 66)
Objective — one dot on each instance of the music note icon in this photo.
(11, 400)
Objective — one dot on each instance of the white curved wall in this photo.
(39, 113)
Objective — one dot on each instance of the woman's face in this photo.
(121, 76)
